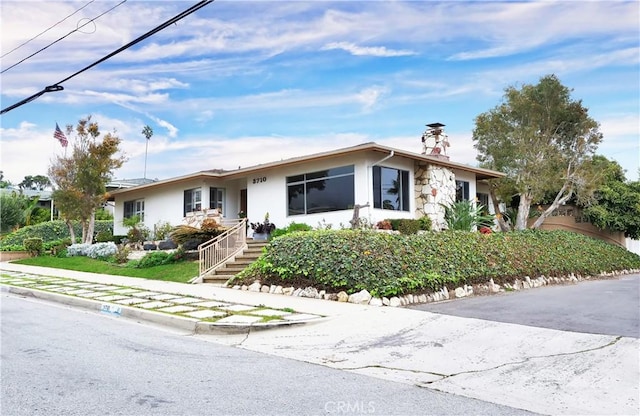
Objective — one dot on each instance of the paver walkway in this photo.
(115, 299)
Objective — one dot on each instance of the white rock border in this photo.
(364, 297)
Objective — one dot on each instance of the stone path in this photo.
(113, 298)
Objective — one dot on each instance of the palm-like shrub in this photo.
(465, 216)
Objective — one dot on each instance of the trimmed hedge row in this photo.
(392, 264)
(49, 231)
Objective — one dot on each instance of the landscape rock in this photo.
(309, 292)
(342, 296)
(255, 287)
(288, 291)
(375, 302)
(361, 298)
(167, 245)
(394, 301)
(149, 246)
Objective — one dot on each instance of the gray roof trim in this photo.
(230, 174)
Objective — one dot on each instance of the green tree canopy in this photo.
(543, 140)
(3, 183)
(36, 183)
(12, 211)
(616, 203)
(81, 178)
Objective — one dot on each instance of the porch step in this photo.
(235, 266)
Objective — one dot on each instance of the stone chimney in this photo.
(435, 141)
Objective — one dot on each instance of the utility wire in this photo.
(46, 30)
(57, 87)
(68, 34)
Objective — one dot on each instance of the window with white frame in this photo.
(462, 191)
(216, 198)
(322, 191)
(483, 199)
(192, 200)
(390, 188)
(133, 208)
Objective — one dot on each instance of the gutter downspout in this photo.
(370, 179)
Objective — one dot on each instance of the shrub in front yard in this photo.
(49, 231)
(391, 264)
(96, 251)
(158, 258)
(34, 246)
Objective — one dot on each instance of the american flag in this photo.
(58, 134)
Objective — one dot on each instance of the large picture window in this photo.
(321, 191)
(132, 208)
(390, 188)
(192, 200)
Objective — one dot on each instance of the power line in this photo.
(46, 30)
(68, 34)
(57, 87)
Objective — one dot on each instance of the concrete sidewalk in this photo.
(541, 370)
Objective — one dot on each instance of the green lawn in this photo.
(177, 272)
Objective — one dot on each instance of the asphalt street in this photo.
(608, 307)
(62, 361)
(538, 369)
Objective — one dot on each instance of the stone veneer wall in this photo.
(434, 185)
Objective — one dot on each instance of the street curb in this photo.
(184, 323)
(96, 306)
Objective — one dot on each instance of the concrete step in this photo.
(229, 270)
(217, 278)
(241, 262)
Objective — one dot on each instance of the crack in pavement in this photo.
(446, 376)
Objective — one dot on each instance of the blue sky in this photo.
(240, 83)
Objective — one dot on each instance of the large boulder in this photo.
(167, 245)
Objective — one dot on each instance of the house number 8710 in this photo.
(260, 180)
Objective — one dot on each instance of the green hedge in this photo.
(49, 231)
(390, 264)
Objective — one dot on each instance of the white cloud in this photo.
(378, 51)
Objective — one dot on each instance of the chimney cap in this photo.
(435, 125)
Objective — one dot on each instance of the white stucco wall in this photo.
(267, 192)
(165, 203)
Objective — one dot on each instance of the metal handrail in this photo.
(221, 248)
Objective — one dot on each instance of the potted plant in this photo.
(262, 230)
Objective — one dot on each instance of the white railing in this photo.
(223, 247)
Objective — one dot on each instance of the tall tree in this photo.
(81, 179)
(543, 140)
(3, 183)
(148, 132)
(35, 183)
(12, 211)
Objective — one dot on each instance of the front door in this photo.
(243, 201)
